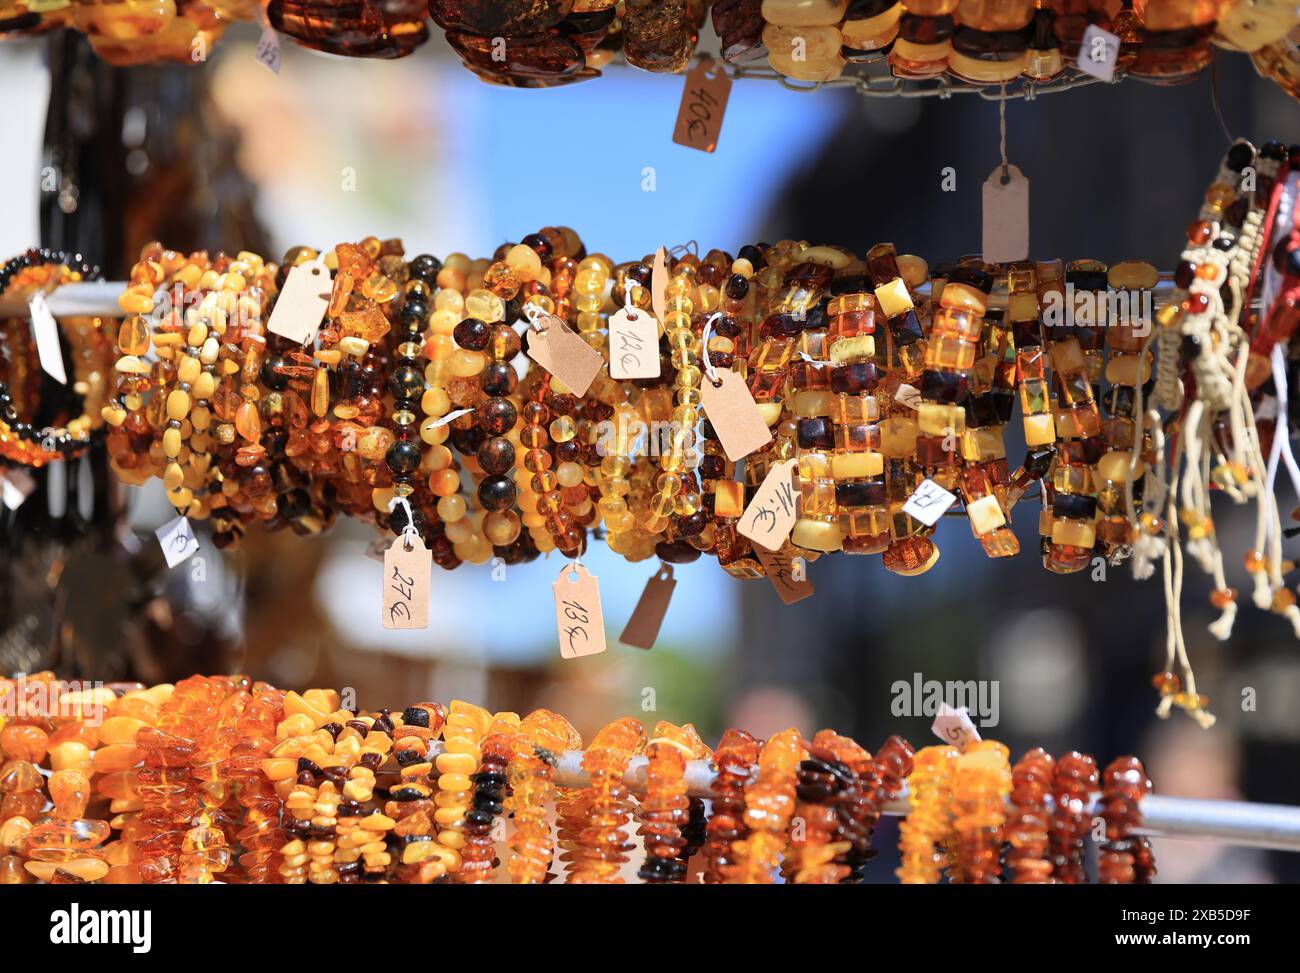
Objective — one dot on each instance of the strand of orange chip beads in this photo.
(478, 858)
(602, 846)
(545, 734)
(1026, 828)
(423, 858)
(919, 834)
(818, 854)
(879, 779)
(1125, 858)
(665, 809)
(466, 724)
(736, 754)
(1072, 786)
(119, 763)
(261, 836)
(769, 804)
(980, 788)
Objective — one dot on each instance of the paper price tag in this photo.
(46, 333)
(16, 485)
(633, 344)
(643, 627)
(734, 415)
(928, 503)
(704, 102)
(564, 354)
(771, 514)
(302, 303)
(787, 572)
(177, 540)
(407, 565)
(955, 726)
(268, 49)
(579, 623)
(908, 396)
(1098, 55)
(1005, 216)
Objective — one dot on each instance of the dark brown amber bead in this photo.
(739, 23)
(496, 456)
(499, 18)
(543, 57)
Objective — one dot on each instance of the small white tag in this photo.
(633, 344)
(909, 396)
(1267, 408)
(46, 333)
(955, 726)
(176, 538)
(1098, 54)
(929, 502)
(302, 303)
(449, 417)
(268, 49)
(1005, 229)
(17, 486)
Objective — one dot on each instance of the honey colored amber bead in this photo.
(798, 13)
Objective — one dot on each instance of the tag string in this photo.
(533, 313)
(1002, 133)
(409, 533)
(709, 370)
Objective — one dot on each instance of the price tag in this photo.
(909, 396)
(302, 303)
(955, 726)
(704, 102)
(787, 572)
(643, 627)
(734, 415)
(929, 502)
(1006, 216)
(46, 333)
(17, 485)
(579, 623)
(659, 284)
(268, 49)
(1098, 54)
(176, 538)
(564, 354)
(633, 344)
(407, 565)
(770, 515)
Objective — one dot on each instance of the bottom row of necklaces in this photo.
(222, 779)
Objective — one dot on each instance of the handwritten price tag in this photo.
(268, 49)
(633, 344)
(787, 572)
(407, 565)
(176, 538)
(302, 303)
(704, 102)
(579, 622)
(770, 515)
(954, 726)
(909, 396)
(929, 502)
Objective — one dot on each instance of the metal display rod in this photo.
(99, 299)
(1274, 826)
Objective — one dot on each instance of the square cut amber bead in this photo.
(728, 498)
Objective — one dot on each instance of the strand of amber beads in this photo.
(1125, 858)
(466, 724)
(921, 833)
(602, 846)
(1026, 827)
(422, 859)
(543, 734)
(735, 757)
(981, 784)
(261, 836)
(1073, 783)
(817, 857)
(665, 808)
(878, 779)
(769, 804)
(478, 857)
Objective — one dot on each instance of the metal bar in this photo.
(1274, 826)
(99, 299)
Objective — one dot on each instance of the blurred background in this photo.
(229, 156)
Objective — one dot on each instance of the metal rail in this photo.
(1273, 826)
